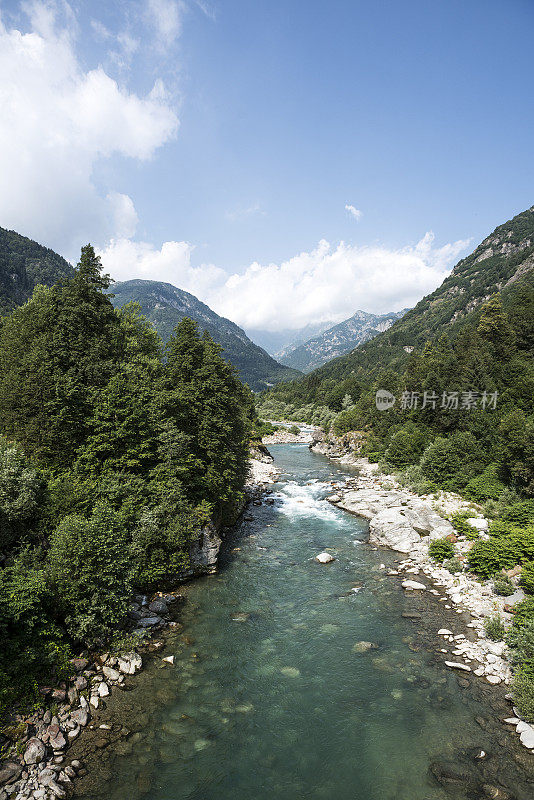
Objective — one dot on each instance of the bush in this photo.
(453, 565)
(494, 628)
(486, 486)
(407, 445)
(295, 430)
(527, 577)
(89, 562)
(521, 643)
(506, 547)
(452, 462)
(503, 586)
(521, 513)
(21, 492)
(524, 612)
(441, 549)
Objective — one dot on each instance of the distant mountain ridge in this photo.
(24, 264)
(503, 262)
(339, 339)
(165, 305)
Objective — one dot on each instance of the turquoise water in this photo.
(270, 698)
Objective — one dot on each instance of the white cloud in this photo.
(125, 259)
(58, 121)
(324, 284)
(354, 212)
(166, 18)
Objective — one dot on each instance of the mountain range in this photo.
(503, 262)
(24, 264)
(165, 305)
(337, 340)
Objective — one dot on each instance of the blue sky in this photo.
(218, 144)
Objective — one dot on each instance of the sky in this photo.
(286, 161)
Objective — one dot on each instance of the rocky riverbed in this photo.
(405, 522)
(50, 745)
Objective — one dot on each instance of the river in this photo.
(272, 696)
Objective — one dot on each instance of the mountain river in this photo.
(294, 680)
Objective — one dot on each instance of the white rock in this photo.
(511, 720)
(480, 524)
(103, 689)
(334, 498)
(413, 586)
(527, 737)
(494, 679)
(324, 558)
(444, 632)
(168, 659)
(457, 665)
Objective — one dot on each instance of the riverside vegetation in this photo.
(115, 451)
(472, 335)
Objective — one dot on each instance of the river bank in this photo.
(51, 745)
(405, 522)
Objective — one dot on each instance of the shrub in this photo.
(441, 549)
(506, 547)
(452, 462)
(89, 561)
(527, 577)
(520, 513)
(523, 692)
(21, 491)
(407, 445)
(494, 628)
(521, 643)
(486, 486)
(295, 430)
(524, 612)
(453, 565)
(503, 585)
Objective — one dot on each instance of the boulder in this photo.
(324, 558)
(80, 717)
(35, 751)
(149, 622)
(111, 674)
(129, 663)
(9, 772)
(413, 586)
(158, 607)
(457, 665)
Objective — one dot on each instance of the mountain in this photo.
(165, 306)
(24, 264)
(503, 262)
(339, 339)
(281, 342)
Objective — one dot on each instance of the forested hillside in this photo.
(502, 263)
(23, 265)
(165, 305)
(115, 452)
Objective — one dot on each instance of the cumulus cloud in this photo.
(125, 259)
(354, 212)
(327, 283)
(59, 120)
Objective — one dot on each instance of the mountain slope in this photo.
(24, 264)
(165, 306)
(339, 339)
(503, 262)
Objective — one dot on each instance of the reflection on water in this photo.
(292, 682)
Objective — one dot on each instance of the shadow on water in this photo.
(298, 680)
